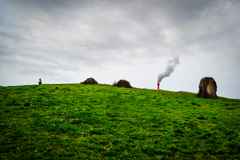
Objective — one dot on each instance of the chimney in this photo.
(158, 85)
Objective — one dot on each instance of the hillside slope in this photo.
(79, 121)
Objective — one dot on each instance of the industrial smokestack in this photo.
(172, 63)
(158, 85)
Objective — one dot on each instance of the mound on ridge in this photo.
(89, 81)
(123, 83)
(208, 88)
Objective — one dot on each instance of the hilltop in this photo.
(79, 121)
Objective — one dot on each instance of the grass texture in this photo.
(80, 121)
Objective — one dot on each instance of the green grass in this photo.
(79, 121)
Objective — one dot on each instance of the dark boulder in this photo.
(123, 83)
(90, 81)
(208, 88)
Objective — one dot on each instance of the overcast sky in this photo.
(68, 41)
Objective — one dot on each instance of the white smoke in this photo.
(172, 63)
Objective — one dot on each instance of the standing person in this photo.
(40, 81)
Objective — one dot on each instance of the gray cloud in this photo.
(55, 38)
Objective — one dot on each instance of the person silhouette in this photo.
(40, 81)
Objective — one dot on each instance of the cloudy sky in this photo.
(67, 41)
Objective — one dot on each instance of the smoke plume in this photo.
(172, 63)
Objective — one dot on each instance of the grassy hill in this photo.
(79, 121)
